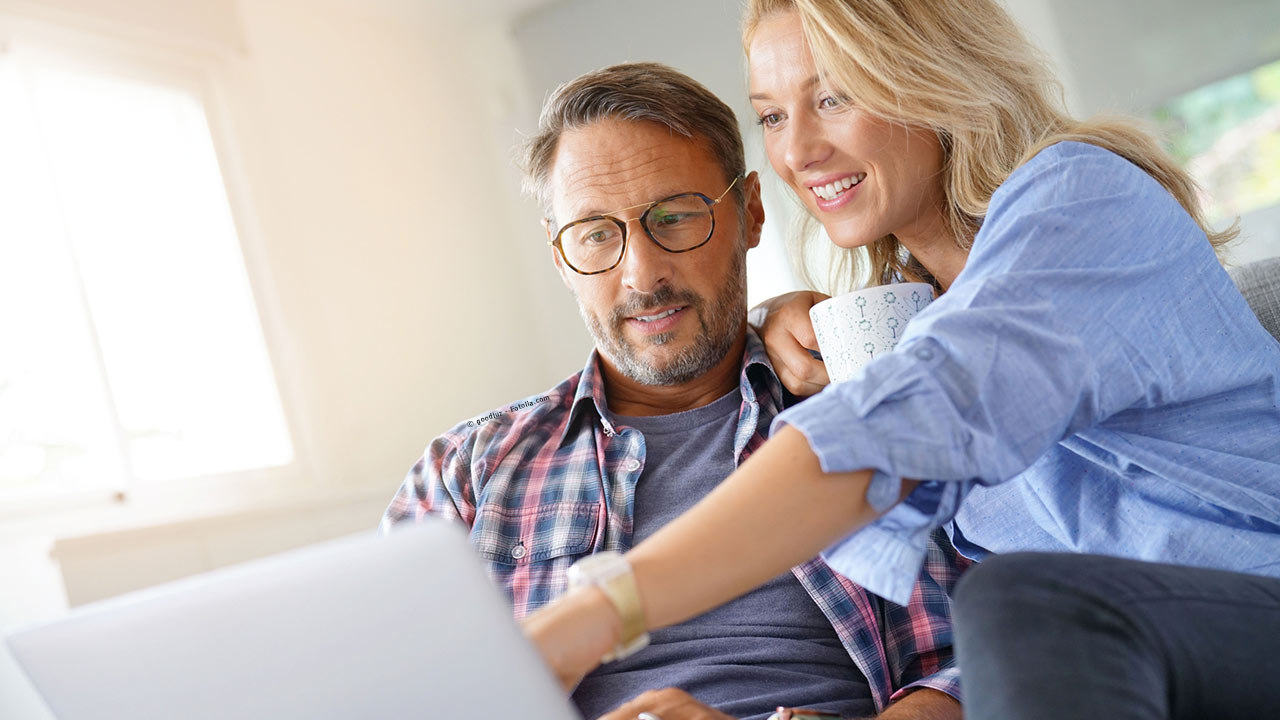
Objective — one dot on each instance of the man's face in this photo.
(659, 318)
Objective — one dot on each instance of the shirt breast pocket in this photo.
(529, 550)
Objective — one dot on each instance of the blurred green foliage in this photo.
(1225, 134)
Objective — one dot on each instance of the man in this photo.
(650, 213)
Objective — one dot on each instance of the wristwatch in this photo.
(611, 572)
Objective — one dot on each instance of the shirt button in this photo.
(631, 465)
(518, 551)
(924, 354)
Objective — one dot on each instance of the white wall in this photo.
(1128, 56)
(373, 166)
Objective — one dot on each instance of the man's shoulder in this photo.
(540, 417)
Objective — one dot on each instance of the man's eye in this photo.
(597, 237)
(670, 219)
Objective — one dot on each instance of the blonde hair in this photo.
(965, 71)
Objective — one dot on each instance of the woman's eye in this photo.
(769, 119)
(834, 101)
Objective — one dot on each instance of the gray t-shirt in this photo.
(768, 648)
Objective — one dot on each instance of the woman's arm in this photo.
(778, 510)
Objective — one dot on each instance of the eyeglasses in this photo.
(677, 224)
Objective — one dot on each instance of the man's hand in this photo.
(667, 704)
(676, 704)
(788, 336)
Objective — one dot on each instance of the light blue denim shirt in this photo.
(1091, 382)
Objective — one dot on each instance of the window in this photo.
(130, 344)
(1228, 136)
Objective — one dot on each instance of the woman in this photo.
(1088, 381)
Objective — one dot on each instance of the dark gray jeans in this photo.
(1049, 636)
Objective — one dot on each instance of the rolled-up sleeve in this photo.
(1030, 344)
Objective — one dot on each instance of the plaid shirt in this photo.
(550, 479)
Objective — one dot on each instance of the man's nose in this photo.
(644, 266)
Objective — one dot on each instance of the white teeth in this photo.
(659, 316)
(832, 190)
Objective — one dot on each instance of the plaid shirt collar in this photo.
(756, 379)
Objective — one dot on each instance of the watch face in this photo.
(598, 567)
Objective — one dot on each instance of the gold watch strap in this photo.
(610, 571)
(625, 596)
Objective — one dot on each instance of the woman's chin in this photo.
(848, 238)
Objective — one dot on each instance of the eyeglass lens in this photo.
(679, 223)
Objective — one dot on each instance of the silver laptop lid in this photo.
(403, 626)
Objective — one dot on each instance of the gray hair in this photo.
(632, 91)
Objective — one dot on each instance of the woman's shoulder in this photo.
(1075, 152)
(1079, 203)
(1070, 168)
(1068, 150)
(1083, 184)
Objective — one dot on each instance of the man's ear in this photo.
(755, 208)
(555, 256)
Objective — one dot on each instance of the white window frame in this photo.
(202, 69)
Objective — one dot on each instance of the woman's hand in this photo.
(666, 704)
(574, 633)
(788, 337)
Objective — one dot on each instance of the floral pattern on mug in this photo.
(854, 329)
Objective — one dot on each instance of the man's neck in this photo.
(628, 397)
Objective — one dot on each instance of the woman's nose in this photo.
(806, 145)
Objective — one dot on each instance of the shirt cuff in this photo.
(884, 560)
(945, 681)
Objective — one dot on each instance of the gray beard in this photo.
(722, 322)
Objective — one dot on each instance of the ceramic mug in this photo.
(855, 328)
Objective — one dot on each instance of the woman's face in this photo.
(861, 176)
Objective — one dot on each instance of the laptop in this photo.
(407, 625)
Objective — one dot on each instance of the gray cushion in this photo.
(1259, 282)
